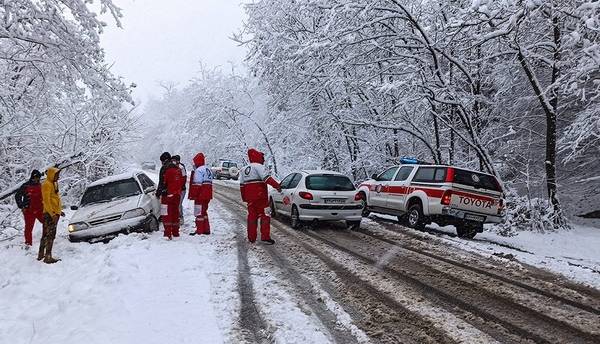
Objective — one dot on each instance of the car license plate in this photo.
(334, 201)
(474, 217)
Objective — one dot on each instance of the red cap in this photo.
(256, 156)
(199, 160)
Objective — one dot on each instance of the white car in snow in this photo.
(308, 196)
(116, 204)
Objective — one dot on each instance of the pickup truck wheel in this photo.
(415, 218)
(365, 207)
(273, 210)
(295, 218)
(467, 230)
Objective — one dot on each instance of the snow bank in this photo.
(574, 253)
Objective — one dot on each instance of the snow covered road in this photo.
(326, 285)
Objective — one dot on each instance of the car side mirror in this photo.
(374, 176)
(74, 207)
(149, 190)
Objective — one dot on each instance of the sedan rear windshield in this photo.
(111, 191)
(476, 180)
(329, 183)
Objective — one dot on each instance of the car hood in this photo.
(101, 210)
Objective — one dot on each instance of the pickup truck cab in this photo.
(419, 193)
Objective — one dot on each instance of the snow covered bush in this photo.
(524, 213)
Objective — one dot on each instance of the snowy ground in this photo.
(219, 288)
(137, 288)
(142, 288)
(575, 253)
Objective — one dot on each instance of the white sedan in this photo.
(310, 196)
(116, 204)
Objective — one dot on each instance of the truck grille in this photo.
(105, 220)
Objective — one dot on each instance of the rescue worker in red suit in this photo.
(169, 200)
(253, 186)
(29, 200)
(201, 192)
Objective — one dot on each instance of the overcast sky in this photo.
(165, 40)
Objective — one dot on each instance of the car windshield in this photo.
(110, 191)
(329, 183)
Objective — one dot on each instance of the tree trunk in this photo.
(550, 107)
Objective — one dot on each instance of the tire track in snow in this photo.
(319, 309)
(566, 292)
(452, 291)
(253, 326)
(385, 319)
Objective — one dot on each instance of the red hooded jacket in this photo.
(254, 179)
(201, 180)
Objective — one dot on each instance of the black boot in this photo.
(269, 241)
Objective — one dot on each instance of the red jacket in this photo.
(173, 180)
(254, 179)
(29, 198)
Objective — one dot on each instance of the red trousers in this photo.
(256, 212)
(30, 218)
(169, 211)
(201, 214)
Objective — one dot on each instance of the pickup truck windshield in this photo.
(110, 191)
(329, 183)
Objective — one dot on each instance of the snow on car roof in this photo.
(453, 166)
(110, 179)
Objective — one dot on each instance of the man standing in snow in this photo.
(29, 200)
(201, 193)
(52, 206)
(177, 162)
(167, 161)
(169, 200)
(253, 187)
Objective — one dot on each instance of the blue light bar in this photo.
(413, 161)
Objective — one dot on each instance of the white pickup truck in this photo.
(420, 194)
(226, 169)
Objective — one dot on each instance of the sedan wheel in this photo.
(273, 210)
(295, 218)
(152, 225)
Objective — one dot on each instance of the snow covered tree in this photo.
(58, 96)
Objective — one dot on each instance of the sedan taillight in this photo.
(306, 195)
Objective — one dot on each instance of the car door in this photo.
(290, 192)
(397, 189)
(148, 201)
(377, 195)
(278, 196)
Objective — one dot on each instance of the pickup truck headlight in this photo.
(133, 213)
(74, 227)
